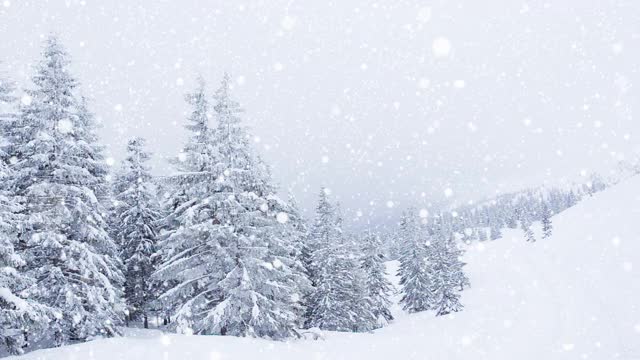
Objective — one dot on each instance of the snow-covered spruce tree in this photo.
(446, 274)
(495, 231)
(394, 245)
(228, 253)
(525, 224)
(414, 270)
(298, 235)
(7, 104)
(340, 302)
(21, 317)
(188, 226)
(482, 234)
(377, 287)
(58, 173)
(547, 226)
(136, 215)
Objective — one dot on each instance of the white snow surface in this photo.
(575, 295)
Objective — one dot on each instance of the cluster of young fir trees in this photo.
(431, 269)
(219, 252)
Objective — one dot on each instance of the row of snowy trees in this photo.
(517, 210)
(210, 248)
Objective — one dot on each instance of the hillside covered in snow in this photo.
(571, 296)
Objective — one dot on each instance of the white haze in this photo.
(389, 103)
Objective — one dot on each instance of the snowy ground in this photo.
(573, 296)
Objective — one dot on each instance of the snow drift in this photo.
(574, 295)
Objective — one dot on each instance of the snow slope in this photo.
(575, 295)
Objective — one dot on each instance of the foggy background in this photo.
(389, 104)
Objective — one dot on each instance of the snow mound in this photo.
(575, 295)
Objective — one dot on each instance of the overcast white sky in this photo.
(387, 103)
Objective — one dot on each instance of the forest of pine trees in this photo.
(209, 248)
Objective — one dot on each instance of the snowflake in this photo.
(441, 47)
(282, 217)
(615, 241)
(65, 126)
(26, 99)
(424, 14)
(288, 23)
(459, 84)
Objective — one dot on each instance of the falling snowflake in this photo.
(441, 47)
(25, 99)
(424, 14)
(65, 126)
(282, 217)
(288, 23)
(423, 83)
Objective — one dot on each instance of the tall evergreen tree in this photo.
(495, 232)
(136, 214)
(340, 301)
(482, 234)
(230, 259)
(414, 271)
(20, 316)
(377, 287)
(59, 174)
(547, 227)
(189, 225)
(7, 105)
(298, 234)
(446, 274)
(525, 224)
